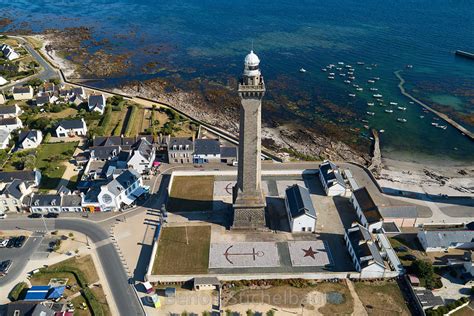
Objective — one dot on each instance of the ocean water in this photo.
(209, 39)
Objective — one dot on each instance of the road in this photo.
(127, 302)
(47, 73)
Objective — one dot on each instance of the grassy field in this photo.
(191, 194)
(59, 115)
(174, 256)
(382, 298)
(50, 159)
(116, 123)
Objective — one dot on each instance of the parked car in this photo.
(20, 241)
(35, 215)
(5, 267)
(3, 216)
(52, 215)
(3, 242)
(11, 242)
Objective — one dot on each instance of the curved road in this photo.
(124, 296)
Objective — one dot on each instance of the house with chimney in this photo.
(97, 103)
(367, 211)
(70, 128)
(30, 139)
(180, 150)
(23, 93)
(331, 179)
(45, 203)
(142, 157)
(13, 193)
(8, 52)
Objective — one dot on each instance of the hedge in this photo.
(93, 302)
(131, 118)
(15, 293)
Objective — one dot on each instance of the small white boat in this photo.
(434, 124)
(401, 108)
(352, 95)
(340, 63)
(364, 121)
(342, 75)
(371, 113)
(389, 111)
(352, 78)
(411, 102)
(376, 78)
(442, 126)
(339, 68)
(324, 69)
(393, 103)
(347, 81)
(366, 126)
(360, 63)
(355, 85)
(348, 66)
(302, 70)
(409, 66)
(374, 89)
(331, 77)
(377, 96)
(382, 131)
(350, 73)
(401, 120)
(422, 116)
(331, 65)
(360, 89)
(370, 103)
(371, 81)
(332, 74)
(368, 68)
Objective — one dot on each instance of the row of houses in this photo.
(9, 121)
(182, 150)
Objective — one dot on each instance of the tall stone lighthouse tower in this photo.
(249, 201)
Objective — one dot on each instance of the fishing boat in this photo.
(302, 70)
(377, 96)
(374, 89)
(360, 63)
(342, 75)
(331, 77)
(401, 108)
(324, 69)
(389, 111)
(360, 89)
(434, 123)
(352, 95)
(370, 103)
(401, 120)
(347, 81)
(371, 81)
(382, 131)
(340, 63)
(371, 113)
(393, 103)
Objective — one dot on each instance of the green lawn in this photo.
(191, 194)
(50, 160)
(174, 256)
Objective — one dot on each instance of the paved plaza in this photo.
(282, 185)
(243, 255)
(312, 253)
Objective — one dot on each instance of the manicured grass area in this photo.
(68, 112)
(78, 307)
(414, 248)
(50, 158)
(174, 256)
(100, 296)
(191, 194)
(382, 298)
(116, 123)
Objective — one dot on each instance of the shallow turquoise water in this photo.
(208, 39)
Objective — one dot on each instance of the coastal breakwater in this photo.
(443, 116)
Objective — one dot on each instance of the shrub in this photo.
(131, 119)
(92, 301)
(15, 293)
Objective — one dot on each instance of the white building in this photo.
(3, 81)
(444, 239)
(13, 193)
(45, 203)
(5, 138)
(364, 252)
(2, 99)
(367, 212)
(23, 93)
(206, 150)
(9, 111)
(8, 52)
(143, 157)
(10, 124)
(97, 103)
(30, 139)
(331, 179)
(69, 128)
(299, 209)
(71, 203)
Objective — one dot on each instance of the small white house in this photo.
(43, 100)
(30, 139)
(364, 252)
(3, 81)
(206, 150)
(10, 124)
(9, 111)
(23, 93)
(299, 209)
(97, 103)
(70, 128)
(367, 212)
(331, 179)
(45, 203)
(5, 138)
(8, 52)
(143, 157)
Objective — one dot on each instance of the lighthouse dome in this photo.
(252, 59)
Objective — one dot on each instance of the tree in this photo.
(424, 269)
(249, 312)
(270, 313)
(35, 82)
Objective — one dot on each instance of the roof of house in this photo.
(97, 101)
(4, 136)
(8, 109)
(63, 190)
(228, 152)
(207, 147)
(445, 238)
(71, 200)
(299, 201)
(9, 121)
(13, 189)
(78, 90)
(105, 152)
(26, 175)
(26, 89)
(46, 200)
(31, 134)
(49, 87)
(27, 308)
(428, 299)
(42, 99)
(145, 148)
(331, 174)
(123, 181)
(364, 248)
(72, 124)
(367, 205)
(181, 141)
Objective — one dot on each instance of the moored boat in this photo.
(401, 120)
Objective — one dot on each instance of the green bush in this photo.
(131, 119)
(92, 301)
(15, 293)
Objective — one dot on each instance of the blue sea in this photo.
(208, 39)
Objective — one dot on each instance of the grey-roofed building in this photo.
(67, 128)
(13, 193)
(30, 139)
(10, 124)
(443, 239)
(205, 283)
(97, 103)
(229, 154)
(25, 175)
(300, 209)
(428, 299)
(142, 157)
(8, 52)
(5, 138)
(22, 93)
(331, 179)
(71, 203)
(105, 152)
(45, 203)
(28, 308)
(8, 111)
(206, 150)
(367, 211)
(180, 150)
(364, 252)
(42, 100)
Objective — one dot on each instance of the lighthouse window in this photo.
(253, 67)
